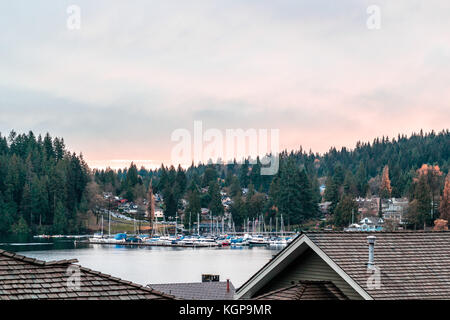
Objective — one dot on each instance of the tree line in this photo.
(42, 185)
(44, 188)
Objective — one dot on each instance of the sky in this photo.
(136, 71)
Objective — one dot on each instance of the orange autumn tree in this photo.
(385, 187)
(444, 208)
(440, 225)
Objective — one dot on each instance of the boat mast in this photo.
(151, 200)
(211, 222)
(109, 215)
(176, 221)
(109, 223)
(276, 225)
(198, 224)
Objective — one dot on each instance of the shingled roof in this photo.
(306, 290)
(214, 290)
(26, 278)
(412, 264)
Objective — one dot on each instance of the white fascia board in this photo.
(338, 269)
(266, 274)
(261, 277)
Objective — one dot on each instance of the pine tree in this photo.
(361, 180)
(274, 192)
(194, 206)
(419, 209)
(244, 178)
(181, 182)
(60, 219)
(350, 187)
(295, 196)
(209, 175)
(255, 175)
(215, 205)
(345, 211)
(235, 188)
(432, 176)
(20, 227)
(331, 193)
(6, 217)
(444, 208)
(238, 210)
(315, 189)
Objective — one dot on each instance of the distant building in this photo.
(159, 213)
(368, 207)
(322, 189)
(395, 209)
(324, 207)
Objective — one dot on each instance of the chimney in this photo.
(228, 285)
(210, 278)
(371, 241)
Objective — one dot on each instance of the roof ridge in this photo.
(20, 257)
(376, 232)
(199, 282)
(130, 283)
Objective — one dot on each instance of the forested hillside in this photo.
(42, 185)
(294, 190)
(44, 188)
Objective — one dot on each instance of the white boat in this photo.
(278, 242)
(97, 239)
(205, 242)
(258, 241)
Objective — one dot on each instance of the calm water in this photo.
(145, 265)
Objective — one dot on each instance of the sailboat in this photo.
(279, 240)
(98, 236)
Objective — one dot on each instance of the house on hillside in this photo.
(368, 207)
(395, 209)
(353, 265)
(324, 207)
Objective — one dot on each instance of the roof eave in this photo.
(294, 250)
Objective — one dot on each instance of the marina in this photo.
(146, 264)
(196, 241)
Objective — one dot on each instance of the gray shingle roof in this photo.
(215, 290)
(306, 290)
(26, 278)
(413, 265)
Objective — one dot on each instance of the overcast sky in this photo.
(137, 70)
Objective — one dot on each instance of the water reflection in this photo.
(146, 265)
